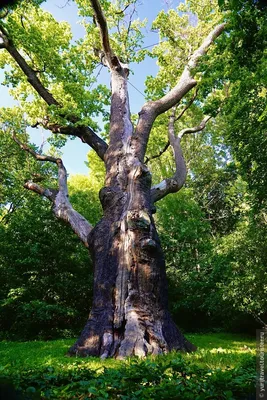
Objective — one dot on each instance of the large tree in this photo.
(52, 80)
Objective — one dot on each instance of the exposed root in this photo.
(137, 338)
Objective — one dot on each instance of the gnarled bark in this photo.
(130, 312)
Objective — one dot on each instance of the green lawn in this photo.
(221, 368)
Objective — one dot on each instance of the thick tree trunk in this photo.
(130, 311)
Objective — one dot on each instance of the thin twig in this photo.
(159, 154)
(191, 101)
(29, 150)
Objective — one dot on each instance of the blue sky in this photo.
(75, 152)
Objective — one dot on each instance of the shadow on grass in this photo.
(222, 368)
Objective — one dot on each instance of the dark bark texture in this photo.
(130, 311)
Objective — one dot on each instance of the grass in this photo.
(221, 368)
(29, 355)
(220, 350)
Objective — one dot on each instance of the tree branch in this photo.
(165, 148)
(62, 207)
(187, 81)
(112, 60)
(152, 109)
(195, 129)
(48, 193)
(28, 149)
(85, 133)
(176, 182)
(28, 71)
(123, 11)
(202, 50)
(191, 101)
(176, 119)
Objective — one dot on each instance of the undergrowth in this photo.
(222, 368)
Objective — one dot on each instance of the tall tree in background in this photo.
(50, 78)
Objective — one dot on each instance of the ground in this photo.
(223, 367)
